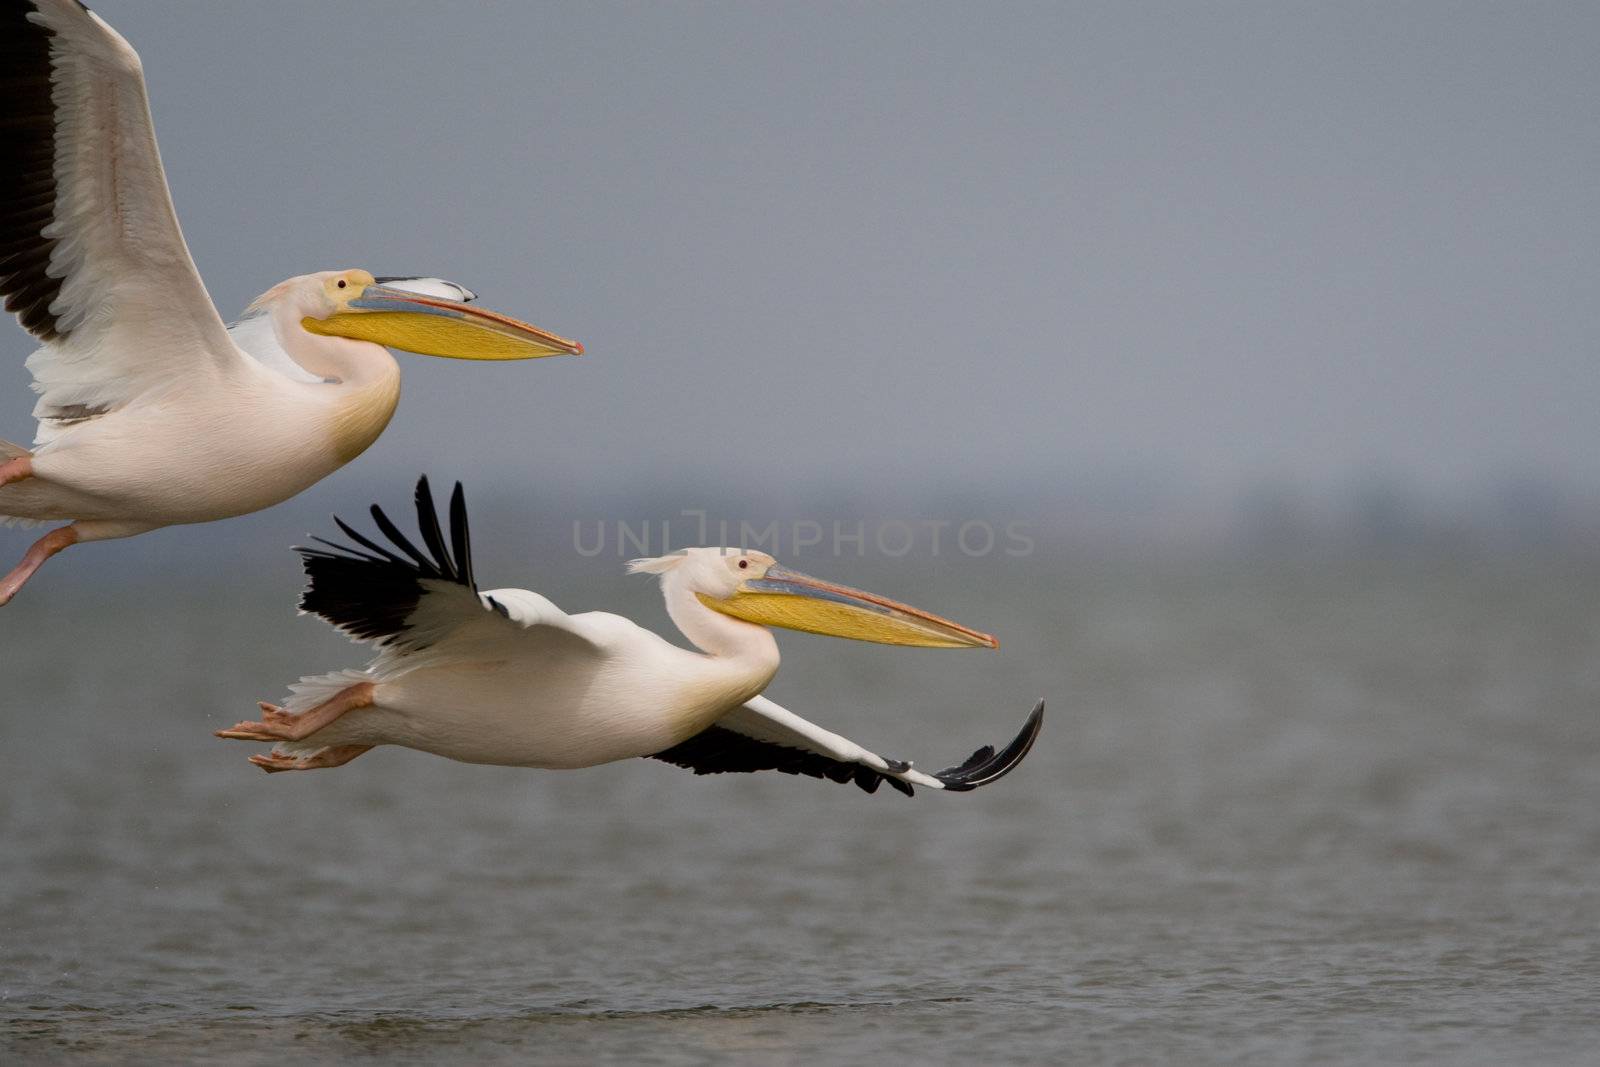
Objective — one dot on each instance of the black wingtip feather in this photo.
(459, 535)
(360, 539)
(428, 526)
(27, 159)
(400, 540)
(985, 765)
(719, 750)
(371, 596)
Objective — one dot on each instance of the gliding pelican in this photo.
(152, 412)
(506, 677)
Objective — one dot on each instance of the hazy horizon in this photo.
(1044, 247)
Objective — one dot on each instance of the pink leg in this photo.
(278, 725)
(337, 756)
(14, 470)
(42, 549)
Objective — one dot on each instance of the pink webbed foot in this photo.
(276, 724)
(336, 756)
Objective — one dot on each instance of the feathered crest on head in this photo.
(658, 564)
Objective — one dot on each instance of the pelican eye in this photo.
(342, 283)
(743, 563)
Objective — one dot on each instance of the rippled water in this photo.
(1279, 813)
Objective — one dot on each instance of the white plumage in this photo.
(150, 412)
(506, 677)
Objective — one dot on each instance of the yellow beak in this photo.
(436, 326)
(796, 601)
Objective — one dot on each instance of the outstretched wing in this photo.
(761, 736)
(406, 600)
(91, 258)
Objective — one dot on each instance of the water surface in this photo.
(1280, 812)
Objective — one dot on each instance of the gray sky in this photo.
(1023, 244)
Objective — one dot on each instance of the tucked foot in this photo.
(14, 470)
(42, 549)
(336, 756)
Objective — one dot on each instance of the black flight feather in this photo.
(371, 594)
(985, 766)
(719, 750)
(400, 541)
(428, 523)
(27, 170)
(459, 536)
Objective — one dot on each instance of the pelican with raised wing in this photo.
(506, 677)
(152, 412)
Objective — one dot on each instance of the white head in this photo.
(428, 316)
(754, 587)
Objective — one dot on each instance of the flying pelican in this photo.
(151, 411)
(506, 677)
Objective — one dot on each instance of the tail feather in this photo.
(314, 689)
(306, 694)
